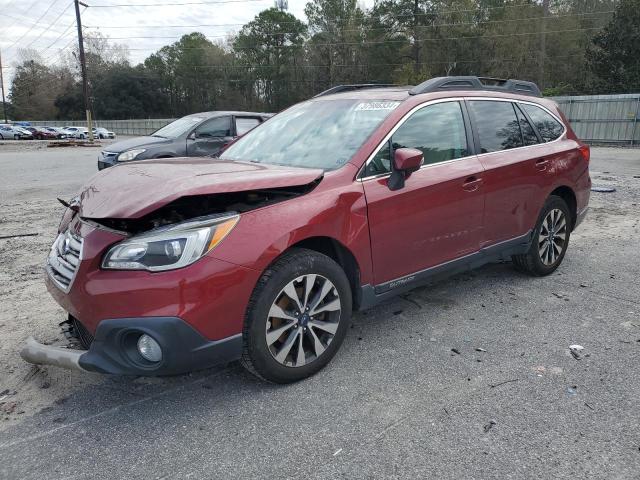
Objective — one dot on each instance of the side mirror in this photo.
(405, 162)
(192, 136)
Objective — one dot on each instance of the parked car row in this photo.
(29, 132)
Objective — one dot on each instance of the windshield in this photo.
(315, 134)
(178, 127)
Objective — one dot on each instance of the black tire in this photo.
(16, 137)
(257, 357)
(532, 262)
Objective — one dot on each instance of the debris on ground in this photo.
(576, 351)
(603, 189)
(489, 425)
(456, 351)
(494, 385)
(572, 390)
(480, 349)
(17, 235)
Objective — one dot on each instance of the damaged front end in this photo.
(194, 206)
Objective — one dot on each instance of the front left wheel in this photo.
(297, 317)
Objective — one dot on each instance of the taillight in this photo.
(585, 151)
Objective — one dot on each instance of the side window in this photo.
(528, 134)
(216, 127)
(497, 125)
(244, 124)
(549, 127)
(437, 130)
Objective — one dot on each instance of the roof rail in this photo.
(357, 86)
(476, 83)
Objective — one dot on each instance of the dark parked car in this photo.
(335, 204)
(41, 133)
(57, 131)
(197, 135)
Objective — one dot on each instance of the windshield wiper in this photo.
(158, 136)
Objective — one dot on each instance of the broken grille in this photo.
(64, 259)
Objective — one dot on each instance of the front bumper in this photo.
(114, 349)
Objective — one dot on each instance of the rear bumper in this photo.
(114, 349)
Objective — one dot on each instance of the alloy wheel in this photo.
(303, 320)
(553, 237)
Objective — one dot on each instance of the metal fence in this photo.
(608, 119)
(120, 127)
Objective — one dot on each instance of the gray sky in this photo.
(48, 26)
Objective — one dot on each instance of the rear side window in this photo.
(548, 127)
(528, 134)
(437, 130)
(243, 125)
(497, 125)
(216, 127)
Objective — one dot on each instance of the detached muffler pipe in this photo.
(39, 354)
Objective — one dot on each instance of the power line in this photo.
(173, 3)
(62, 12)
(36, 23)
(380, 28)
(372, 42)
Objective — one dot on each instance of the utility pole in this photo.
(4, 103)
(83, 67)
(543, 42)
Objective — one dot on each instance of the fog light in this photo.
(149, 348)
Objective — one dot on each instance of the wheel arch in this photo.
(569, 196)
(335, 250)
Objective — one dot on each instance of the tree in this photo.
(269, 50)
(337, 45)
(192, 73)
(614, 55)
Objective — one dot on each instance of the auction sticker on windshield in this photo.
(368, 106)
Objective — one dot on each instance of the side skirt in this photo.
(372, 295)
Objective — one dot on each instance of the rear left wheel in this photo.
(297, 317)
(550, 239)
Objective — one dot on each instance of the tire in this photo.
(555, 220)
(16, 137)
(281, 361)
(82, 136)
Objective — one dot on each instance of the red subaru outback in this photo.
(337, 203)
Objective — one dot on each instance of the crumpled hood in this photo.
(137, 142)
(133, 189)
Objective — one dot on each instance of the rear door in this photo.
(209, 137)
(437, 216)
(512, 186)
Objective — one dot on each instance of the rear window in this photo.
(243, 125)
(497, 125)
(528, 134)
(548, 127)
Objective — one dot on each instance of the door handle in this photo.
(471, 184)
(542, 164)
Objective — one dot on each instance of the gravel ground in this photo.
(396, 402)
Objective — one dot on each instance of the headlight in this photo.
(130, 154)
(171, 247)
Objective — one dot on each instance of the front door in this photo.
(437, 216)
(209, 137)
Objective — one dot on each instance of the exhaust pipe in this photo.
(39, 354)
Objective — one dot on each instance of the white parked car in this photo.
(77, 132)
(8, 132)
(100, 132)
